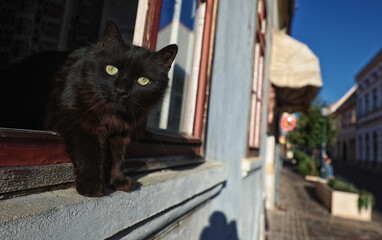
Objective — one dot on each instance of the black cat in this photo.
(98, 95)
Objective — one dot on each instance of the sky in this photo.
(344, 34)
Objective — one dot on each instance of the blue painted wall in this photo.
(228, 115)
(235, 212)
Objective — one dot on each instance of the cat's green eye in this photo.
(111, 70)
(143, 81)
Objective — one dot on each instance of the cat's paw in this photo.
(123, 184)
(91, 190)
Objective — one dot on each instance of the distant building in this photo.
(369, 114)
(344, 116)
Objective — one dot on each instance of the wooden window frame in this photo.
(256, 99)
(159, 143)
(149, 149)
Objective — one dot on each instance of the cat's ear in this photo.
(111, 34)
(167, 54)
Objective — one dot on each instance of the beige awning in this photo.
(294, 72)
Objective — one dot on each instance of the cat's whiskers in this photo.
(164, 148)
(133, 102)
(139, 105)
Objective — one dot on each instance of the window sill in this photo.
(21, 180)
(63, 214)
(250, 164)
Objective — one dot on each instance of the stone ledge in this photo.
(250, 164)
(63, 214)
(19, 180)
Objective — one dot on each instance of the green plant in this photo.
(304, 163)
(364, 197)
(308, 131)
(340, 185)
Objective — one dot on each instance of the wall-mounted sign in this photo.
(288, 122)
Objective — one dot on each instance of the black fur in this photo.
(96, 112)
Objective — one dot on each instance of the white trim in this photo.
(255, 77)
(345, 97)
(189, 109)
(252, 123)
(165, 110)
(140, 22)
(257, 125)
(250, 164)
(260, 78)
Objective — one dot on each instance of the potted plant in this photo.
(345, 200)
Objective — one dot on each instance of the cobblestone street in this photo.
(301, 216)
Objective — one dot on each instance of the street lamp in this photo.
(324, 114)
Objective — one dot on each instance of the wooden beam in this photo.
(29, 147)
(15, 179)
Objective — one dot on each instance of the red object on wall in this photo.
(288, 122)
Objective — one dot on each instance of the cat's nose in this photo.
(120, 91)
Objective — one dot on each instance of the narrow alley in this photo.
(301, 216)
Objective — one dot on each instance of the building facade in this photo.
(369, 114)
(344, 116)
(205, 181)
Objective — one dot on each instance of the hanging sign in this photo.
(288, 122)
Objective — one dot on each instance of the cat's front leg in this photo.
(87, 153)
(118, 180)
